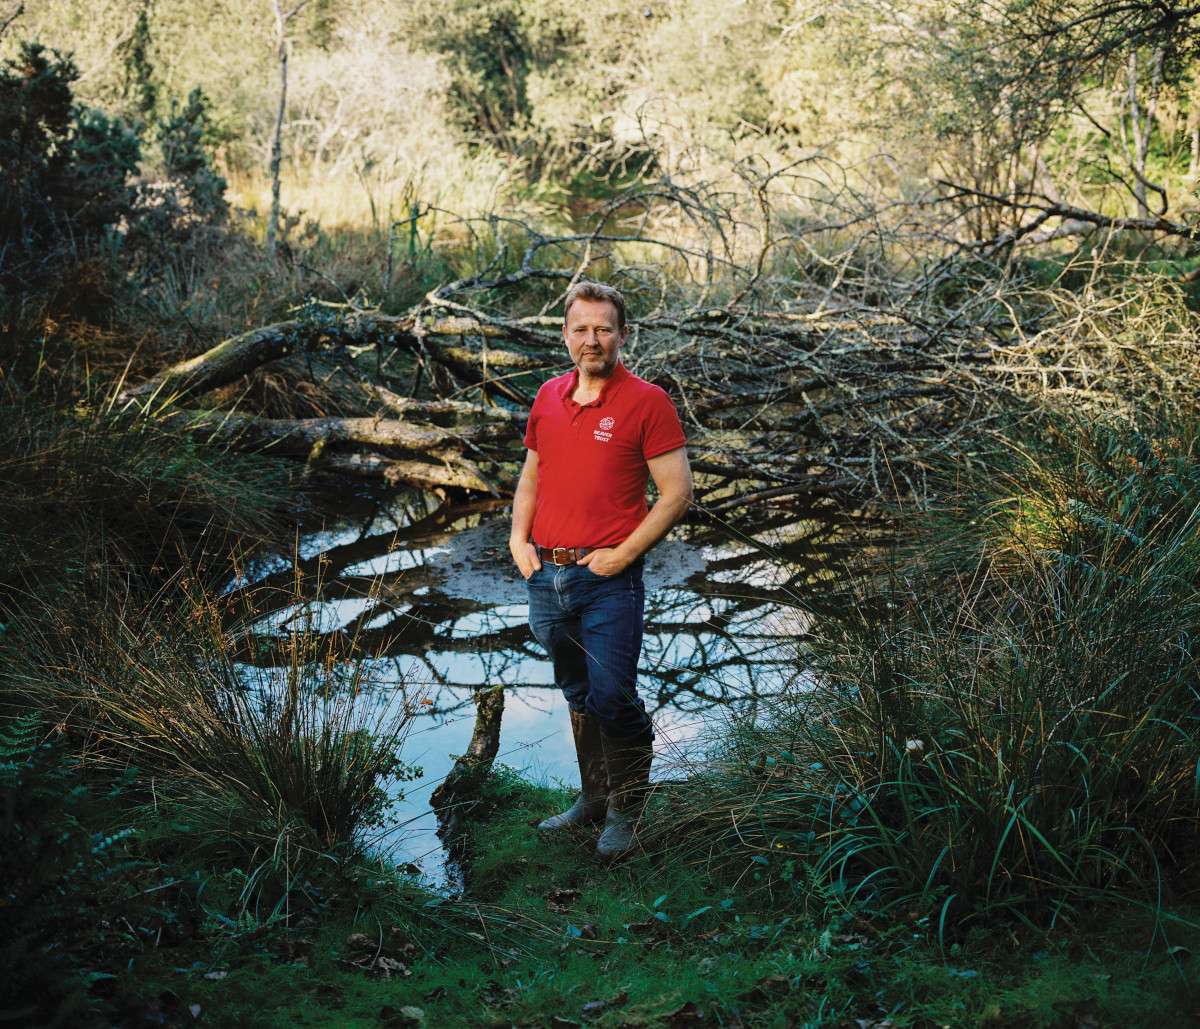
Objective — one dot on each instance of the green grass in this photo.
(745, 963)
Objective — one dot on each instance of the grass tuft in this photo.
(1008, 720)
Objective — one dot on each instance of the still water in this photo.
(423, 594)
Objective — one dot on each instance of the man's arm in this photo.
(525, 553)
(673, 476)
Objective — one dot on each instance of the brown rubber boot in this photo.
(628, 763)
(590, 806)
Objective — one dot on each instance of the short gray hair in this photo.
(588, 290)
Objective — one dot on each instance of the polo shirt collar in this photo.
(607, 392)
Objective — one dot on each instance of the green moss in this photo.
(554, 931)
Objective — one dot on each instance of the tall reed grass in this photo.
(1008, 718)
(112, 533)
(85, 489)
(274, 770)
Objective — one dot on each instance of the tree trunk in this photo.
(318, 440)
(239, 355)
(281, 21)
(459, 791)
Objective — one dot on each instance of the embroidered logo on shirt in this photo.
(604, 433)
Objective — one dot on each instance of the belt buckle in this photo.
(554, 555)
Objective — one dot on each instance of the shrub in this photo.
(65, 171)
(73, 211)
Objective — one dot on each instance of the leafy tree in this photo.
(71, 191)
(65, 171)
(140, 80)
(1032, 108)
(183, 137)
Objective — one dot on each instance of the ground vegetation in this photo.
(930, 261)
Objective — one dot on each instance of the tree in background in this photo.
(79, 217)
(65, 172)
(282, 18)
(1045, 119)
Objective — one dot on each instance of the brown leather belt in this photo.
(562, 555)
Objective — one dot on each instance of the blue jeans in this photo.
(591, 626)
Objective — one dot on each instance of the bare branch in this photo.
(7, 23)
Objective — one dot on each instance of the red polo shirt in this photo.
(592, 474)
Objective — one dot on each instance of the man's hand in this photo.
(525, 555)
(523, 552)
(605, 561)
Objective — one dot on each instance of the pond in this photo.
(422, 593)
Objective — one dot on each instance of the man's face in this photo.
(593, 339)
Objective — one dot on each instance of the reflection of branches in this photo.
(322, 573)
(709, 642)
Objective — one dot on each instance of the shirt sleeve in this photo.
(661, 429)
(531, 423)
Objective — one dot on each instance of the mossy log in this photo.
(239, 355)
(458, 793)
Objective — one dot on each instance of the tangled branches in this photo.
(798, 367)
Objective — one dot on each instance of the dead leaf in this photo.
(595, 1007)
(688, 1014)
(216, 977)
(388, 967)
(648, 926)
(559, 901)
(195, 1010)
(407, 1017)
(382, 966)
(399, 945)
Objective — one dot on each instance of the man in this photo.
(579, 532)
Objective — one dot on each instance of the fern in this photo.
(18, 742)
(52, 871)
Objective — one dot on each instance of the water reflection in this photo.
(423, 592)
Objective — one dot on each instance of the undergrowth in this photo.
(87, 492)
(652, 943)
(1007, 722)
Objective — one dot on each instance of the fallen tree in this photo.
(787, 388)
